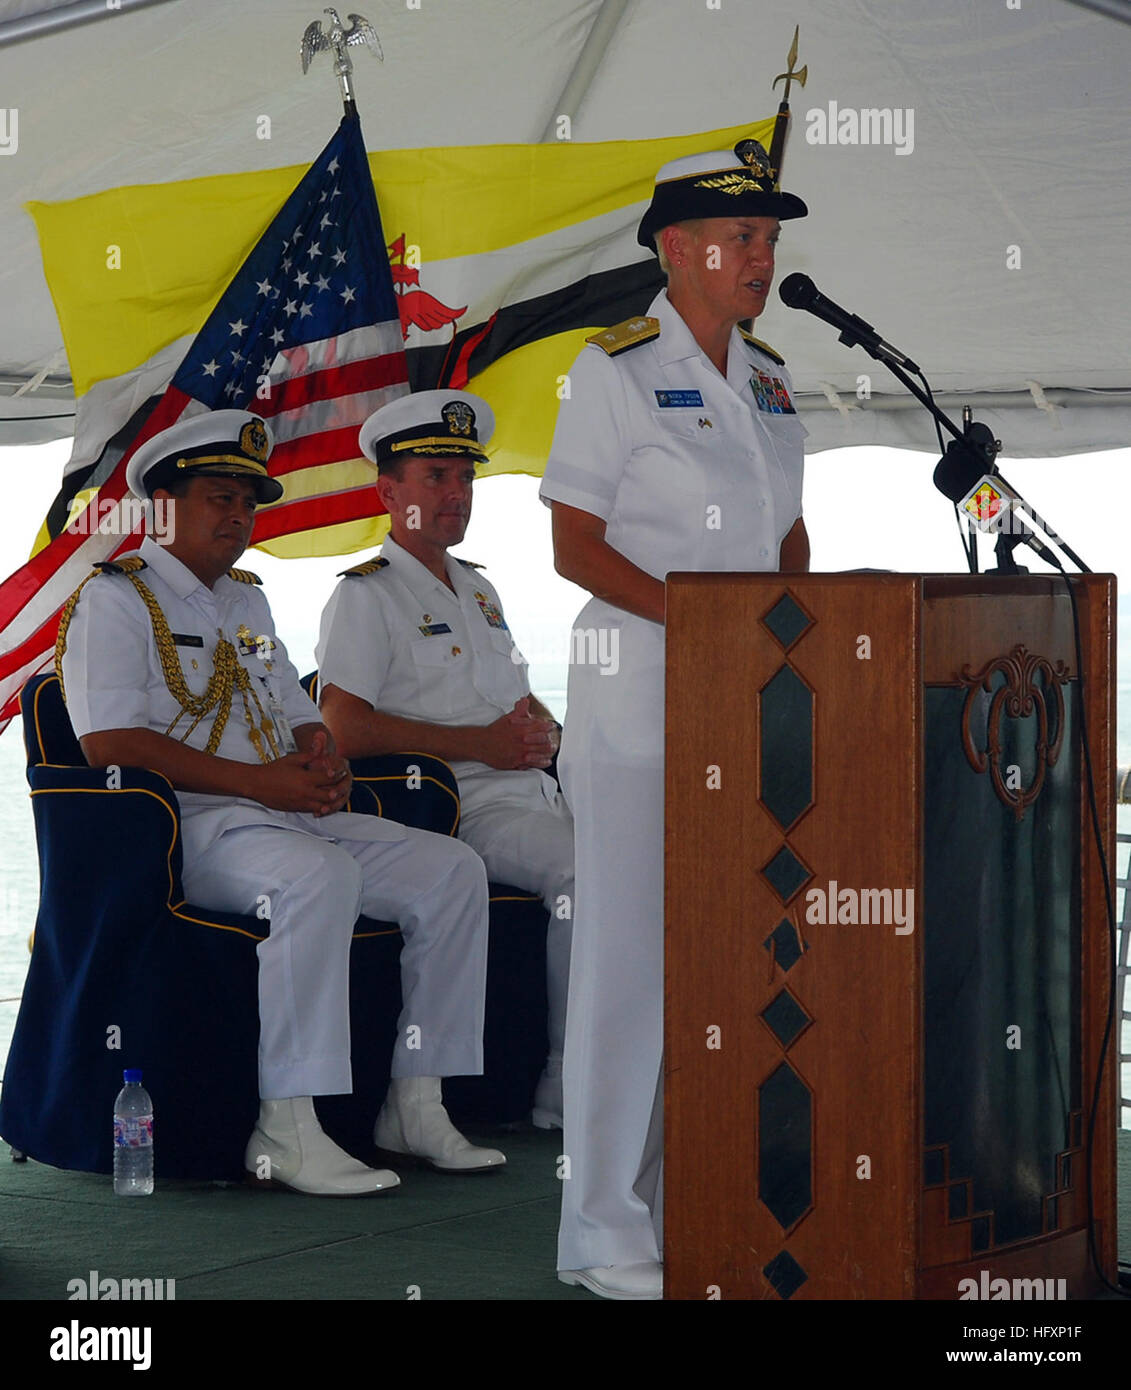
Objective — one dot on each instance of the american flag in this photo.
(307, 335)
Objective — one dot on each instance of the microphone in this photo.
(799, 292)
(967, 467)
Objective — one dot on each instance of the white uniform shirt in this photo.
(112, 672)
(401, 640)
(113, 679)
(691, 471)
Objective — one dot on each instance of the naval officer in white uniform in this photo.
(678, 448)
(415, 653)
(169, 659)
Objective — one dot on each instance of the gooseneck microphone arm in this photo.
(799, 292)
(975, 442)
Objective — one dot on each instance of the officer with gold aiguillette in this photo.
(169, 660)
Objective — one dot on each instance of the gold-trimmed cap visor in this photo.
(429, 424)
(226, 443)
(717, 184)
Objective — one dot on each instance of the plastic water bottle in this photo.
(133, 1138)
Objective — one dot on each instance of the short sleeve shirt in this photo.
(690, 470)
(112, 671)
(404, 642)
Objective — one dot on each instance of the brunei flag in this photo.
(502, 260)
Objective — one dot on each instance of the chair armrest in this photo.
(415, 789)
(105, 838)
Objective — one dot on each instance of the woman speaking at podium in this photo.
(676, 448)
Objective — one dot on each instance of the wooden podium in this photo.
(887, 944)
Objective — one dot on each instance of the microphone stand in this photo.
(1005, 543)
(941, 418)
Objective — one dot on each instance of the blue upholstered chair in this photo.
(125, 973)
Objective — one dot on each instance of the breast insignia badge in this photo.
(490, 611)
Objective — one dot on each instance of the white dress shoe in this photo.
(289, 1148)
(547, 1112)
(413, 1121)
(642, 1281)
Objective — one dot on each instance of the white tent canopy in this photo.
(987, 239)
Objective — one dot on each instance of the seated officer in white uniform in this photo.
(415, 653)
(678, 448)
(169, 660)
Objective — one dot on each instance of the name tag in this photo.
(679, 400)
(434, 629)
(185, 639)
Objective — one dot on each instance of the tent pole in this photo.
(585, 69)
(1115, 9)
(982, 400)
(34, 26)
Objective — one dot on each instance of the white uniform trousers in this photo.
(520, 826)
(314, 888)
(611, 765)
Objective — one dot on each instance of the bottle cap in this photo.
(131, 1077)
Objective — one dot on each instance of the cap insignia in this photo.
(459, 418)
(734, 182)
(253, 440)
(753, 155)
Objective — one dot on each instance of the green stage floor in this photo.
(481, 1236)
(484, 1236)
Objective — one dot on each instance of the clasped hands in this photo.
(520, 739)
(313, 780)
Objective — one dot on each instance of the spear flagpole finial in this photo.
(337, 37)
(791, 74)
(781, 122)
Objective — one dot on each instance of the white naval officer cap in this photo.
(718, 183)
(428, 424)
(226, 443)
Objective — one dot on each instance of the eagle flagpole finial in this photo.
(338, 38)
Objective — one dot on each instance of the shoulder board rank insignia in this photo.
(366, 567)
(128, 564)
(629, 334)
(471, 564)
(244, 577)
(763, 347)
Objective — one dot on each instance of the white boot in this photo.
(413, 1121)
(624, 1282)
(288, 1147)
(547, 1112)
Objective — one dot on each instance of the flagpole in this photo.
(338, 38)
(781, 123)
